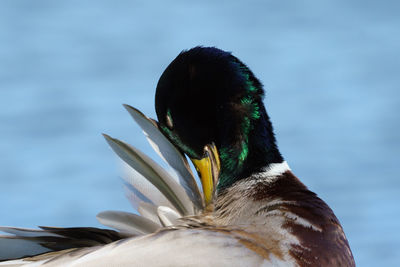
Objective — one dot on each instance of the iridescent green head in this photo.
(208, 96)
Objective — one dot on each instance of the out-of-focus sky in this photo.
(330, 70)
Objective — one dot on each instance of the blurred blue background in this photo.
(330, 68)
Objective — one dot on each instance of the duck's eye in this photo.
(169, 121)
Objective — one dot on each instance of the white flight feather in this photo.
(139, 189)
(167, 215)
(149, 211)
(169, 153)
(127, 223)
(154, 173)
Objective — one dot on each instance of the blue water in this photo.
(331, 70)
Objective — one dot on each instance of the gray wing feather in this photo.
(128, 223)
(154, 173)
(169, 153)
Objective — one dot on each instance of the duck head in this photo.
(210, 105)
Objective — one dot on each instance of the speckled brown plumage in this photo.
(279, 217)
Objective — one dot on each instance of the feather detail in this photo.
(169, 153)
(138, 189)
(167, 216)
(127, 223)
(149, 211)
(153, 172)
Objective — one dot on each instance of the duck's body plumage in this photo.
(256, 213)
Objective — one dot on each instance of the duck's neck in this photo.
(262, 153)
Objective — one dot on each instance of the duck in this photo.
(247, 208)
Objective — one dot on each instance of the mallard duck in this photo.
(251, 210)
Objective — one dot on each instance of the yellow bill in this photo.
(208, 170)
